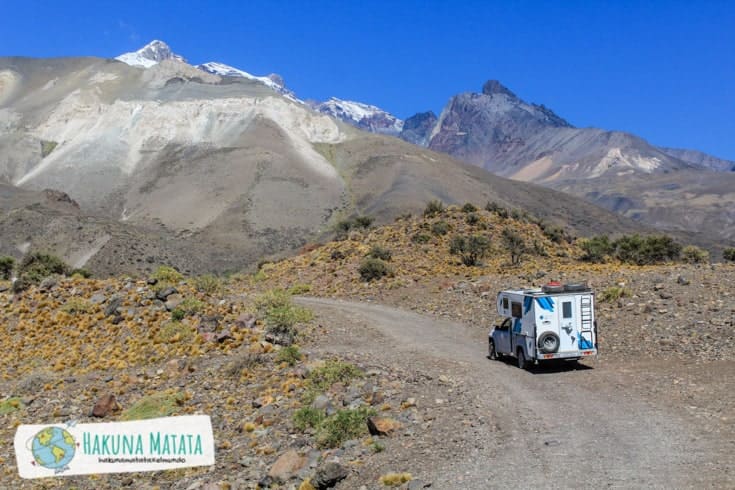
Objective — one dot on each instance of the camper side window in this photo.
(515, 310)
(567, 309)
(505, 303)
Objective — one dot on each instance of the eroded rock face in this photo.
(417, 128)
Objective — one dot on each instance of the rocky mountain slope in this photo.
(219, 170)
(665, 188)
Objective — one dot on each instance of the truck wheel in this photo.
(522, 359)
(548, 342)
(492, 353)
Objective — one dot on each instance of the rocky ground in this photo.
(407, 351)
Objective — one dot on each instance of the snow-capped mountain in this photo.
(363, 116)
(150, 54)
(273, 80)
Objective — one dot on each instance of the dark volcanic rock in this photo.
(493, 87)
(417, 128)
(329, 475)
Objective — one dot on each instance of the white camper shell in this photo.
(554, 322)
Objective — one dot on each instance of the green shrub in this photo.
(653, 249)
(515, 244)
(597, 249)
(496, 208)
(470, 249)
(434, 208)
(554, 233)
(282, 320)
(307, 418)
(539, 249)
(440, 228)
(333, 371)
(516, 214)
(290, 355)
(6, 267)
(377, 447)
(178, 314)
(342, 426)
(76, 305)
(166, 274)
(208, 284)
(156, 405)
(11, 404)
(363, 221)
(378, 252)
(343, 226)
(299, 288)
(420, 238)
(472, 219)
(36, 266)
(191, 306)
(614, 293)
(273, 298)
(47, 147)
(729, 254)
(371, 269)
(81, 273)
(694, 255)
(469, 208)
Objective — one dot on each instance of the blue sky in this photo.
(664, 70)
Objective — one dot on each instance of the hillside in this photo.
(209, 173)
(223, 347)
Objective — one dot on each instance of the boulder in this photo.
(104, 406)
(382, 426)
(287, 466)
(329, 475)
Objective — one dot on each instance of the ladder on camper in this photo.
(587, 323)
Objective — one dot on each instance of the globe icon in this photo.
(53, 448)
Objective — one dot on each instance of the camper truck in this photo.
(554, 322)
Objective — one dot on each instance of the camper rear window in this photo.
(567, 309)
(515, 310)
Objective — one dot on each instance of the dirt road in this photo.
(551, 428)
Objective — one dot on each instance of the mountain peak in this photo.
(492, 87)
(152, 53)
(360, 115)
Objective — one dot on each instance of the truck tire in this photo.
(491, 352)
(522, 363)
(576, 287)
(548, 342)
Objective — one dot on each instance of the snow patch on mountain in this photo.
(273, 80)
(150, 54)
(363, 116)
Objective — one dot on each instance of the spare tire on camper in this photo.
(548, 342)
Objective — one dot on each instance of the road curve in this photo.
(561, 429)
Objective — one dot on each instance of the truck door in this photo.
(568, 323)
(501, 337)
